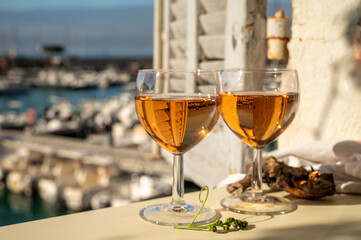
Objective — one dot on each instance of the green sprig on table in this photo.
(230, 222)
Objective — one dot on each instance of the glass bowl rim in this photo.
(264, 70)
(177, 71)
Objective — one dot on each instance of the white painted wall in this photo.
(321, 49)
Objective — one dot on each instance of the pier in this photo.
(78, 174)
(126, 159)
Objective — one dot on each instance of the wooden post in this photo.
(245, 46)
(192, 34)
(245, 41)
(192, 41)
(157, 33)
(165, 41)
(165, 34)
(161, 49)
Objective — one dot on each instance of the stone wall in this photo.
(326, 38)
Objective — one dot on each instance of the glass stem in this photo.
(247, 157)
(178, 180)
(256, 178)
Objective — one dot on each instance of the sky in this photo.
(26, 5)
(87, 28)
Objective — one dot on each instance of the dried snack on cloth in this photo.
(341, 158)
(297, 181)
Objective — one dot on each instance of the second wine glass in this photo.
(178, 109)
(258, 105)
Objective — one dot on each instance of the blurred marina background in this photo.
(67, 69)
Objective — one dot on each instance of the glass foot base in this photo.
(258, 205)
(175, 215)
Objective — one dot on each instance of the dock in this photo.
(79, 174)
(126, 159)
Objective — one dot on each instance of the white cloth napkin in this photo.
(342, 159)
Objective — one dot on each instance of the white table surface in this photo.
(336, 217)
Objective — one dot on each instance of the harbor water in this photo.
(17, 208)
(40, 98)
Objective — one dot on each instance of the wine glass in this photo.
(178, 109)
(258, 105)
